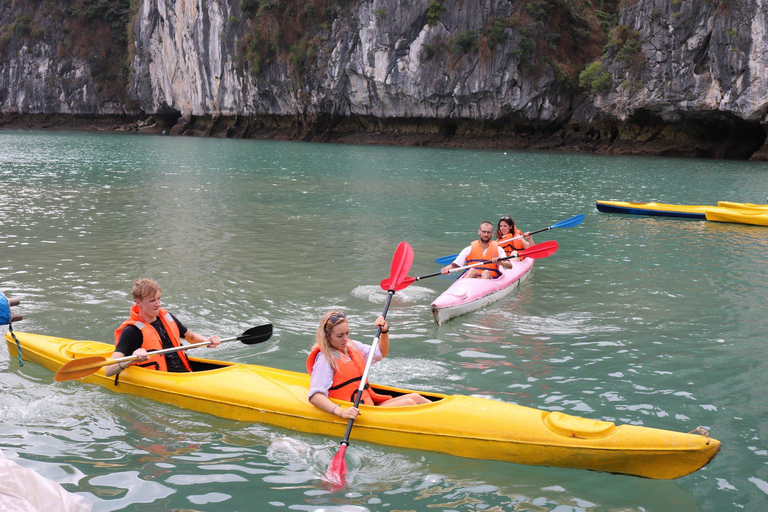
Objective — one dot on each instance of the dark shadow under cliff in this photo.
(695, 136)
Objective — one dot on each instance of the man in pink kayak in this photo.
(483, 249)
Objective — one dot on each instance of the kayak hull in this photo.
(458, 425)
(653, 209)
(466, 295)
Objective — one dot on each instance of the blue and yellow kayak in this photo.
(656, 209)
(459, 425)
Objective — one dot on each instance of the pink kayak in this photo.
(467, 295)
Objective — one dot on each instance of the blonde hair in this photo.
(323, 337)
(144, 288)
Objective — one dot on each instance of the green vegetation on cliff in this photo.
(285, 30)
(567, 35)
(95, 31)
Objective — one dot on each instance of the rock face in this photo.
(683, 78)
(705, 75)
(374, 66)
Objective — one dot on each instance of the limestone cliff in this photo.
(677, 77)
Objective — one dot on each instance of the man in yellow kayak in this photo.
(151, 327)
(483, 249)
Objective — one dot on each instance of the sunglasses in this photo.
(508, 220)
(336, 318)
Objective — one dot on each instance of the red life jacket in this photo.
(151, 338)
(514, 245)
(346, 379)
(476, 255)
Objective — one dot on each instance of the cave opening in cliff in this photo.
(699, 135)
(738, 139)
(167, 118)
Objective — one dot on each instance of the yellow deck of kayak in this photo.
(663, 207)
(754, 217)
(458, 425)
(743, 206)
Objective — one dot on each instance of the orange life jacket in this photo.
(346, 379)
(514, 245)
(476, 256)
(151, 338)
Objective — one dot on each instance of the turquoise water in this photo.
(647, 321)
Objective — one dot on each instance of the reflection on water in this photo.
(646, 321)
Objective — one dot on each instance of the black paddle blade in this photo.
(258, 334)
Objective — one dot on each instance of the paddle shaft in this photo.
(465, 267)
(567, 223)
(518, 237)
(398, 271)
(449, 259)
(364, 379)
(531, 252)
(165, 351)
(82, 367)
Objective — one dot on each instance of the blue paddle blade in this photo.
(573, 221)
(445, 260)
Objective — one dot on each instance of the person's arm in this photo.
(503, 254)
(319, 383)
(193, 337)
(527, 240)
(460, 261)
(129, 343)
(112, 369)
(321, 401)
(384, 338)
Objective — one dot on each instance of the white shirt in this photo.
(322, 373)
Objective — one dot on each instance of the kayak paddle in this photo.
(569, 223)
(536, 252)
(401, 264)
(83, 367)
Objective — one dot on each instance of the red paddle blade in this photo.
(337, 470)
(403, 284)
(539, 251)
(401, 264)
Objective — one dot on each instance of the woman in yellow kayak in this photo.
(505, 230)
(336, 365)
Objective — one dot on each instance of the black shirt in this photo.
(131, 340)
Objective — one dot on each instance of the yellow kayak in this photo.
(753, 217)
(743, 206)
(454, 424)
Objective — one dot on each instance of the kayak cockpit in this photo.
(206, 365)
(395, 392)
(202, 365)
